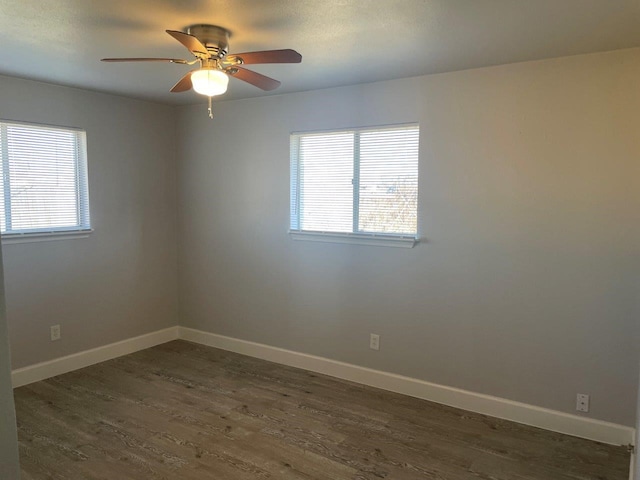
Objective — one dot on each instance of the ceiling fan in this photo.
(210, 45)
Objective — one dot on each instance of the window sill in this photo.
(378, 240)
(10, 238)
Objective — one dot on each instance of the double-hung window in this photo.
(44, 180)
(356, 186)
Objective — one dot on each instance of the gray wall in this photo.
(121, 281)
(524, 284)
(9, 466)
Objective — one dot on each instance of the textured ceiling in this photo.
(342, 41)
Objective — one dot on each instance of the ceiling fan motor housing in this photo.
(215, 38)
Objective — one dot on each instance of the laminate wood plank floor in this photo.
(185, 411)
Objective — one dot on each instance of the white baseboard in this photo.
(58, 366)
(548, 419)
(476, 402)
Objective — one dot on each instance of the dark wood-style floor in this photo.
(184, 411)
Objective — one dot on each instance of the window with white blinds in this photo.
(44, 180)
(355, 183)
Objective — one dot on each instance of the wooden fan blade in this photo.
(194, 45)
(172, 60)
(267, 56)
(183, 84)
(254, 78)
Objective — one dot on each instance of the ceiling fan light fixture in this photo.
(210, 81)
(209, 44)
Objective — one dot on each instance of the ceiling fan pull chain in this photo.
(210, 111)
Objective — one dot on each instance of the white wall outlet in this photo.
(582, 402)
(55, 332)
(374, 342)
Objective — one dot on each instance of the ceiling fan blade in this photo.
(254, 78)
(267, 56)
(183, 84)
(194, 45)
(172, 60)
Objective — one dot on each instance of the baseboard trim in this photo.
(548, 419)
(58, 366)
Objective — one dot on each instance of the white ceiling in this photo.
(342, 41)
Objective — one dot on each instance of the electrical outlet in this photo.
(582, 402)
(374, 342)
(55, 332)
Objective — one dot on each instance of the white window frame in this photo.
(354, 237)
(82, 228)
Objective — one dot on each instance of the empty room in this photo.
(331, 240)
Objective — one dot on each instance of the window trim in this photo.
(373, 239)
(84, 227)
(33, 237)
(354, 237)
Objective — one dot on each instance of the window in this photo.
(44, 180)
(356, 186)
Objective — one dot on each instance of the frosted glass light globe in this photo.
(209, 82)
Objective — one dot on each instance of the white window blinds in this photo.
(44, 179)
(361, 181)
